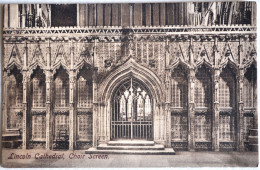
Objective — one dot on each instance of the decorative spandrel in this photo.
(14, 55)
(249, 52)
(203, 51)
(83, 51)
(38, 54)
(62, 54)
(178, 51)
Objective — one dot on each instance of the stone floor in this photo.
(27, 158)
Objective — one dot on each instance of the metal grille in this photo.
(38, 127)
(84, 126)
(61, 124)
(132, 112)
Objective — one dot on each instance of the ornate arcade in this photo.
(190, 88)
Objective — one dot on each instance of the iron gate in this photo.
(132, 112)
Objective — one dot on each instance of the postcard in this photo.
(129, 85)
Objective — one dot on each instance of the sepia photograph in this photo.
(128, 85)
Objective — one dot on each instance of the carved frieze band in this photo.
(164, 48)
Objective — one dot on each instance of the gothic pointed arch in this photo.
(35, 66)
(251, 63)
(180, 63)
(229, 63)
(82, 64)
(59, 66)
(204, 64)
(126, 70)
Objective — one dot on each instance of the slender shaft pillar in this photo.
(25, 99)
(5, 101)
(25, 112)
(72, 113)
(240, 107)
(240, 113)
(95, 108)
(49, 111)
(191, 112)
(168, 125)
(215, 132)
(72, 109)
(167, 109)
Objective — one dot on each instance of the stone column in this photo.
(49, 107)
(5, 101)
(101, 123)
(240, 113)
(191, 111)
(108, 121)
(26, 122)
(72, 109)
(156, 122)
(240, 107)
(167, 107)
(72, 113)
(163, 123)
(215, 133)
(49, 110)
(95, 108)
(168, 125)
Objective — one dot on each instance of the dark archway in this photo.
(132, 111)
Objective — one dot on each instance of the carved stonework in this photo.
(37, 55)
(14, 58)
(150, 55)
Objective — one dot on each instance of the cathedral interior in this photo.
(179, 74)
